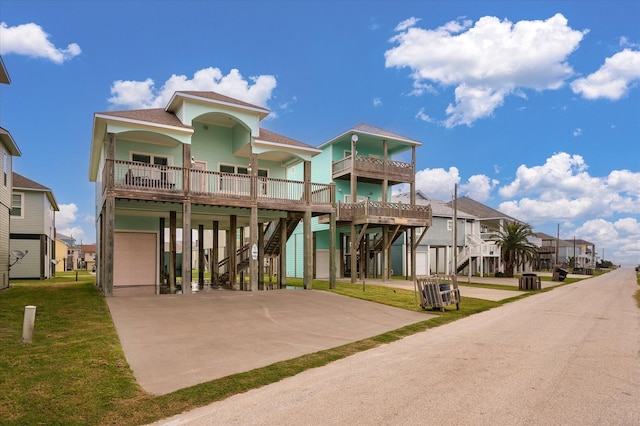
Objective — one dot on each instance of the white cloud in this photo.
(620, 239)
(143, 94)
(479, 187)
(562, 189)
(487, 61)
(577, 132)
(31, 40)
(424, 117)
(377, 102)
(66, 216)
(407, 23)
(613, 80)
(437, 184)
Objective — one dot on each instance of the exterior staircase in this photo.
(272, 236)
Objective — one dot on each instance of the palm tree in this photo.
(515, 247)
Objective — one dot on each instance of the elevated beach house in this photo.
(364, 163)
(201, 163)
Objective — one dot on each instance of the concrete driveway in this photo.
(176, 341)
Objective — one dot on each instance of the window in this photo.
(241, 185)
(16, 205)
(449, 225)
(150, 159)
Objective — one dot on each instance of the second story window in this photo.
(16, 205)
(150, 159)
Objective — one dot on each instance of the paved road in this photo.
(570, 356)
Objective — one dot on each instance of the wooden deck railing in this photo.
(168, 179)
(375, 166)
(349, 211)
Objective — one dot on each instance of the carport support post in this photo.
(186, 247)
(201, 255)
(308, 241)
(215, 266)
(161, 264)
(172, 251)
(233, 263)
(260, 256)
(332, 239)
(110, 207)
(253, 249)
(282, 266)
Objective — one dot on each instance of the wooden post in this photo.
(261, 256)
(215, 266)
(354, 252)
(385, 253)
(253, 225)
(308, 242)
(186, 219)
(201, 255)
(172, 251)
(186, 247)
(332, 239)
(109, 237)
(282, 267)
(342, 254)
(232, 245)
(161, 262)
(109, 219)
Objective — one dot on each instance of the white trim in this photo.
(185, 130)
(288, 146)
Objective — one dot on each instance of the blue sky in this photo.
(532, 108)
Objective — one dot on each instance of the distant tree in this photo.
(515, 247)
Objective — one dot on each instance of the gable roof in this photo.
(214, 98)
(367, 129)
(23, 183)
(480, 210)
(438, 208)
(145, 116)
(269, 136)
(9, 143)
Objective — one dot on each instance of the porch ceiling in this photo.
(200, 214)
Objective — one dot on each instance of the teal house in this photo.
(203, 165)
(364, 164)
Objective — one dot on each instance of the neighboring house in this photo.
(434, 254)
(33, 228)
(88, 252)
(73, 254)
(61, 254)
(364, 163)
(8, 150)
(201, 163)
(577, 253)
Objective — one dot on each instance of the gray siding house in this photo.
(434, 252)
(8, 149)
(33, 208)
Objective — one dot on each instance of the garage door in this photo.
(421, 263)
(135, 260)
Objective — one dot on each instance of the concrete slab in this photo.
(176, 341)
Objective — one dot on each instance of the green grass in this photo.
(75, 372)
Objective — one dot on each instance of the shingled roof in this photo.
(269, 136)
(154, 115)
(479, 210)
(221, 98)
(21, 182)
